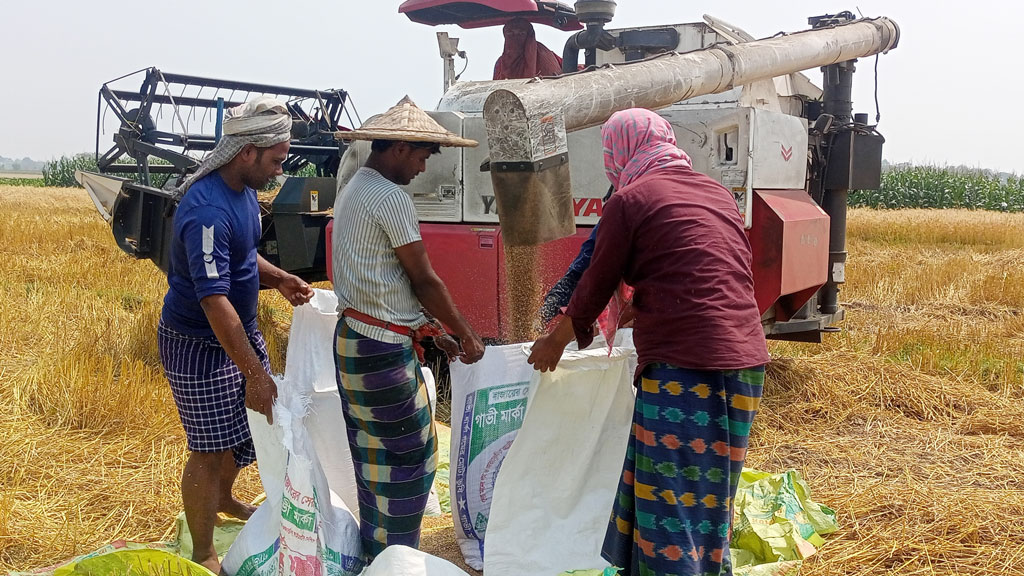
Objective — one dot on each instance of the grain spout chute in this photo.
(527, 124)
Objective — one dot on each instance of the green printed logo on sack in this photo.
(496, 412)
(302, 519)
(490, 422)
(259, 564)
(338, 564)
(300, 542)
(489, 400)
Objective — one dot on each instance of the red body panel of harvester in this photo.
(789, 239)
(470, 259)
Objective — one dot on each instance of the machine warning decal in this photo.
(787, 153)
(838, 272)
(734, 179)
(314, 201)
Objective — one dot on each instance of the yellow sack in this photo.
(133, 562)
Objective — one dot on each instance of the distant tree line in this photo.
(24, 165)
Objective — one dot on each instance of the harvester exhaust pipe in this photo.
(527, 123)
(594, 14)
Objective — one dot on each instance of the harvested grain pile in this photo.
(909, 423)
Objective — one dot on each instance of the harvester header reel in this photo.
(165, 125)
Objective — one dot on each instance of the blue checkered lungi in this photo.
(209, 391)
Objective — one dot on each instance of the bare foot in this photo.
(237, 509)
(212, 564)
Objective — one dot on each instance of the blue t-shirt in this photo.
(213, 251)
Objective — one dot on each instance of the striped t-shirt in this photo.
(372, 217)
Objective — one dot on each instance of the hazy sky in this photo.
(935, 88)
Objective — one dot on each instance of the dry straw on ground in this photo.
(910, 423)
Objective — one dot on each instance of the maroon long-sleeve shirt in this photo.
(677, 237)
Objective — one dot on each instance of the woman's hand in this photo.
(547, 350)
(545, 354)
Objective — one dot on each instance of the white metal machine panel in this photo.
(586, 166)
(718, 143)
(743, 148)
(778, 151)
(437, 193)
(478, 204)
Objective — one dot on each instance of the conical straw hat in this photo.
(406, 122)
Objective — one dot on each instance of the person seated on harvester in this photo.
(524, 56)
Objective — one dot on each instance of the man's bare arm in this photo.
(260, 390)
(434, 296)
(293, 288)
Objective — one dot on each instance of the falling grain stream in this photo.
(525, 292)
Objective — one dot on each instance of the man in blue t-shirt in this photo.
(213, 354)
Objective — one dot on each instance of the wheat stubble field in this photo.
(910, 422)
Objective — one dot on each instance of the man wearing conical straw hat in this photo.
(213, 354)
(384, 281)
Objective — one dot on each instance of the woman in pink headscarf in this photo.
(524, 57)
(677, 237)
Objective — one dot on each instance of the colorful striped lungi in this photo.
(391, 436)
(673, 510)
(209, 391)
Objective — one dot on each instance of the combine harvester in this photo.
(741, 108)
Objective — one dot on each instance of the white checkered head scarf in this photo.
(262, 122)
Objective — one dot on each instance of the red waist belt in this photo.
(429, 330)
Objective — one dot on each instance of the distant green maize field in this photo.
(943, 187)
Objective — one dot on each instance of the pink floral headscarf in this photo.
(637, 141)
